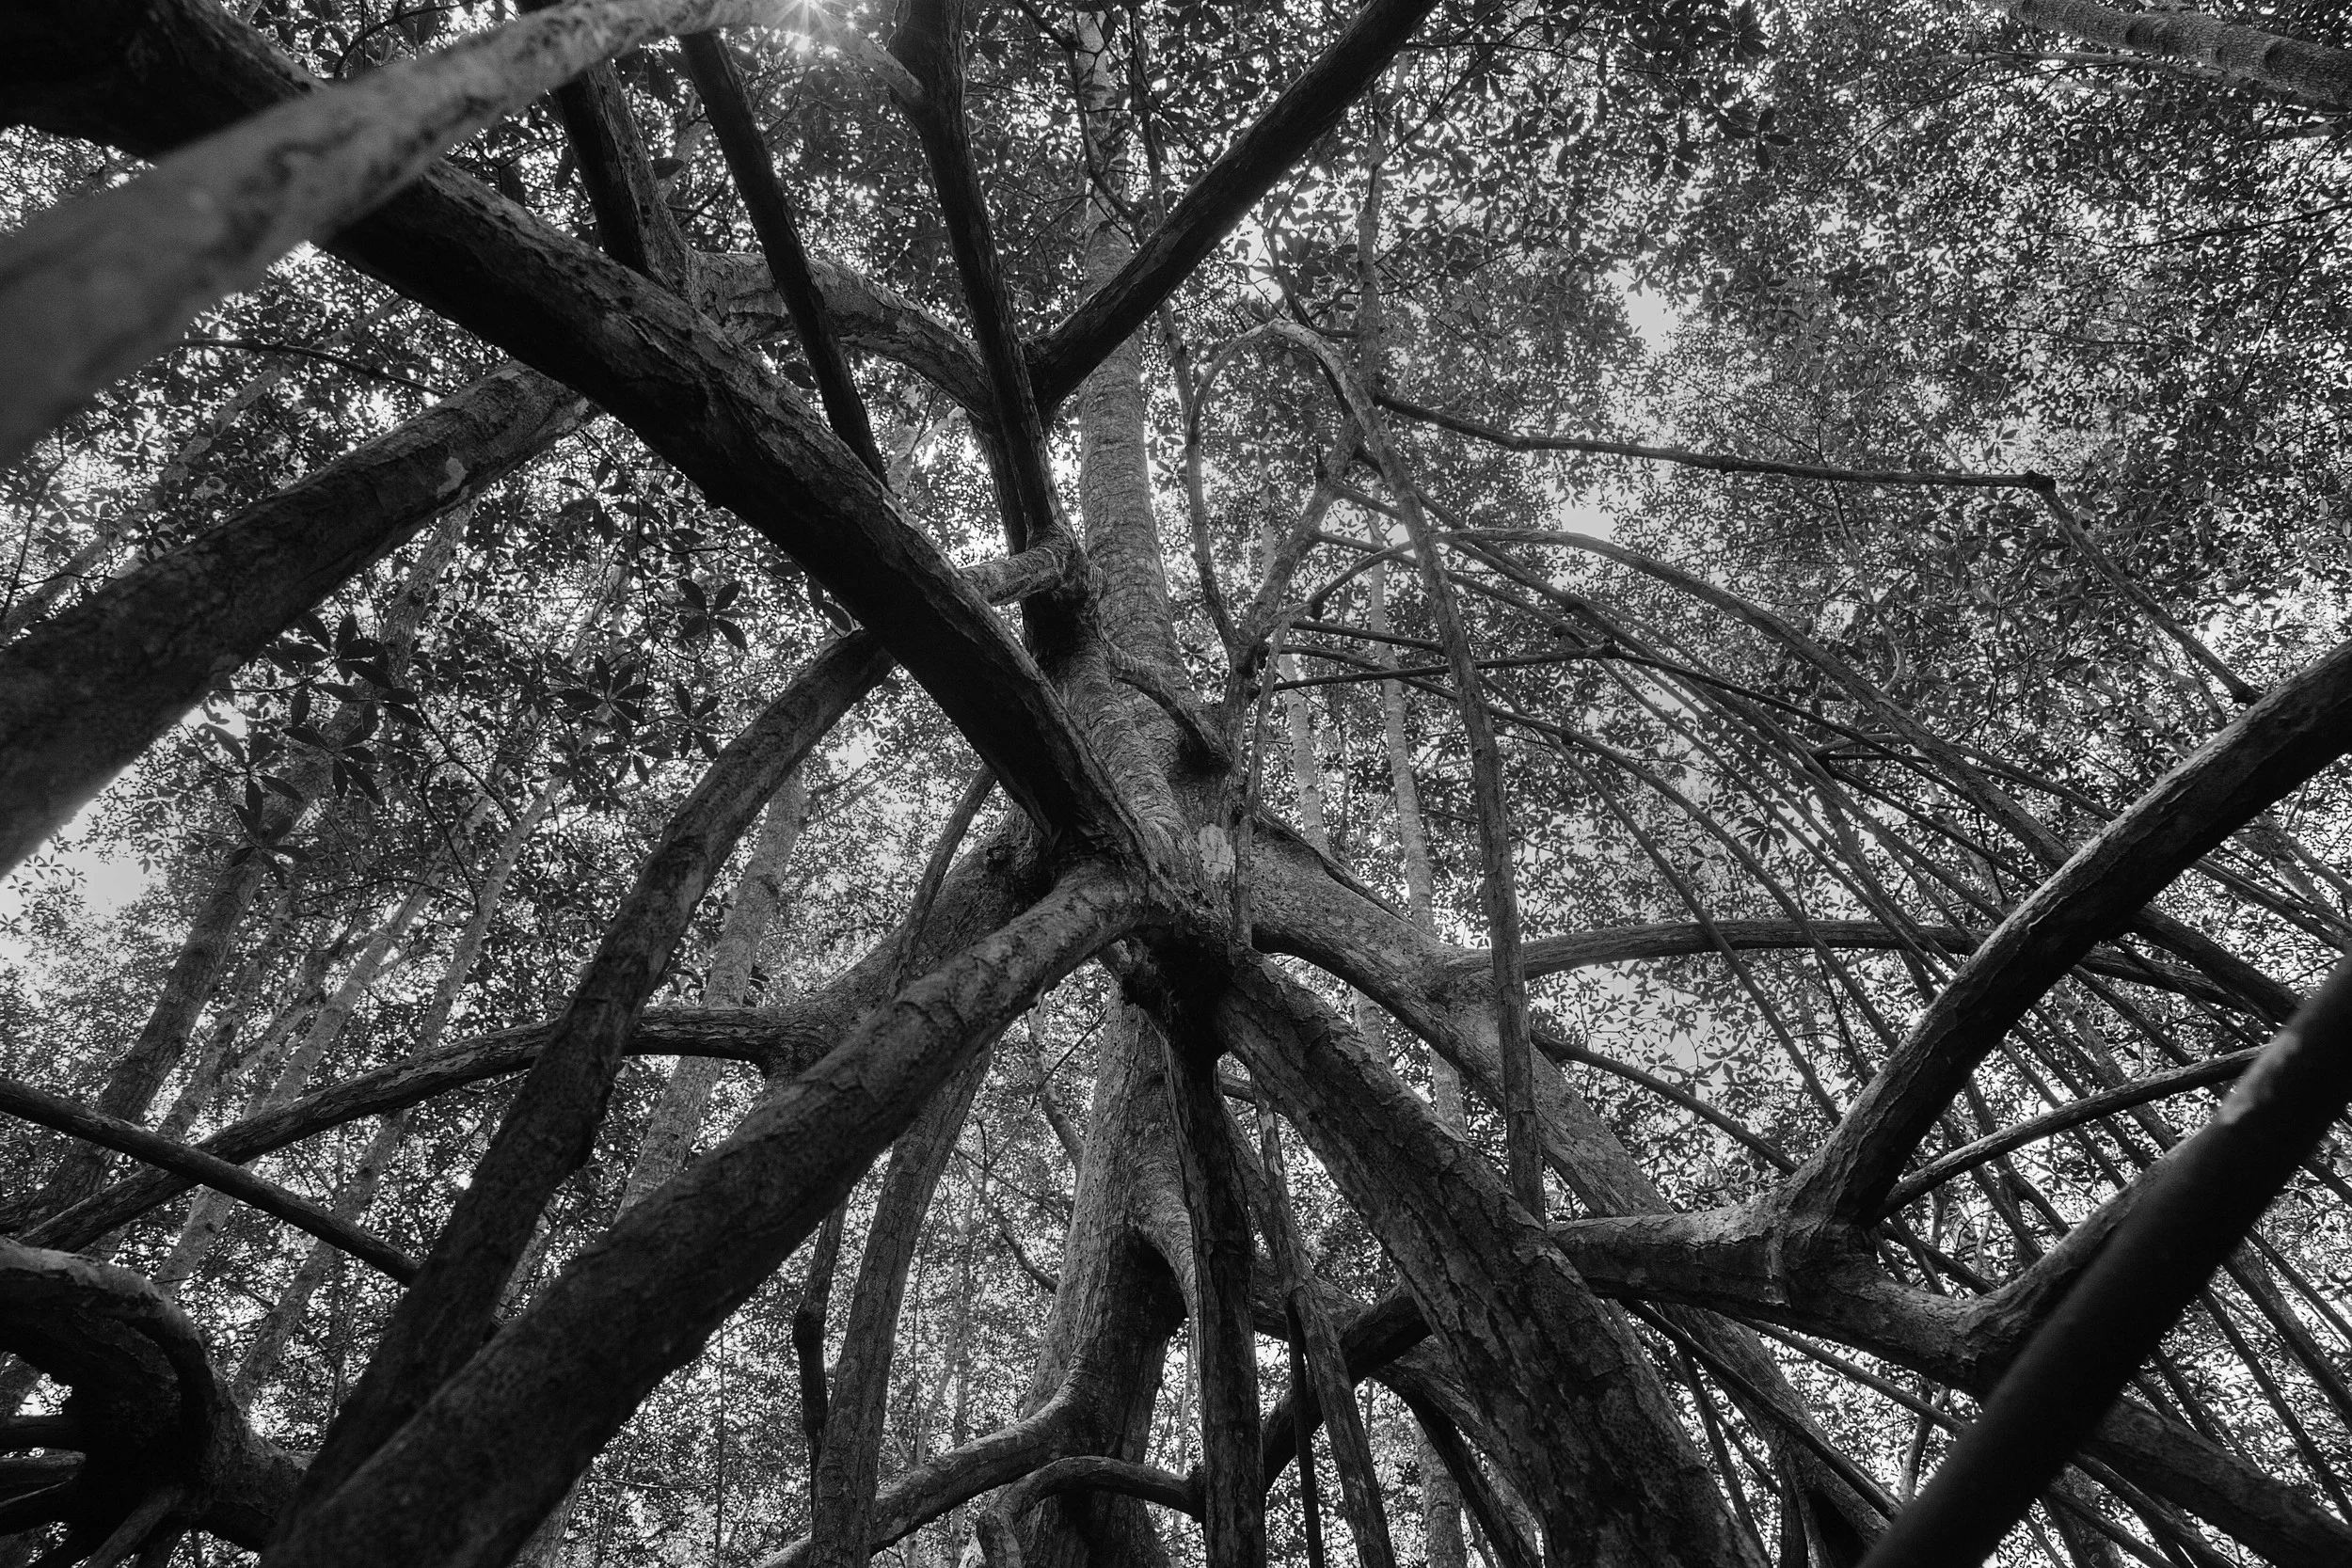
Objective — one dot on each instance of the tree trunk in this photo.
(1224, 1338)
(210, 1210)
(1117, 1302)
(1560, 1379)
(2283, 65)
(848, 1467)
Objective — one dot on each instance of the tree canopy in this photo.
(794, 782)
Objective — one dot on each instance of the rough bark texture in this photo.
(842, 1483)
(1224, 1346)
(1552, 1369)
(88, 689)
(2285, 65)
(534, 1406)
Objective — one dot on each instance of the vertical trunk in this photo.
(1317, 1355)
(678, 1118)
(245, 992)
(849, 1465)
(1117, 1302)
(1305, 765)
(1224, 1342)
(131, 1086)
(954, 1383)
(1314, 821)
(1440, 1497)
(808, 1335)
(1114, 456)
(1502, 1545)
(1310, 1492)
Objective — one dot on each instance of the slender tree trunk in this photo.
(1117, 1302)
(1441, 1497)
(196, 1095)
(808, 1335)
(678, 1117)
(1224, 1338)
(210, 1210)
(848, 1468)
(260, 1363)
(1317, 1354)
(131, 1084)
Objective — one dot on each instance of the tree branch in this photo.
(720, 81)
(548, 1131)
(2298, 728)
(95, 288)
(2187, 1214)
(739, 432)
(1223, 194)
(2312, 71)
(48, 1109)
(504, 1438)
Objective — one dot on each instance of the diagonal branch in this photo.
(741, 434)
(1553, 1370)
(49, 1109)
(504, 1438)
(633, 223)
(2298, 728)
(1223, 194)
(2075, 1113)
(93, 290)
(930, 44)
(2265, 994)
(550, 1130)
(83, 693)
(1512, 440)
(2187, 1215)
(720, 81)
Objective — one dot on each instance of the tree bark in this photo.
(546, 1133)
(678, 1114)
(1558, 1376)
(500, 1441)
(1117, 1302)
(848, 1468)
(86, 691)
(1318, 1359)
(1224, 1342)
(2290, 66)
